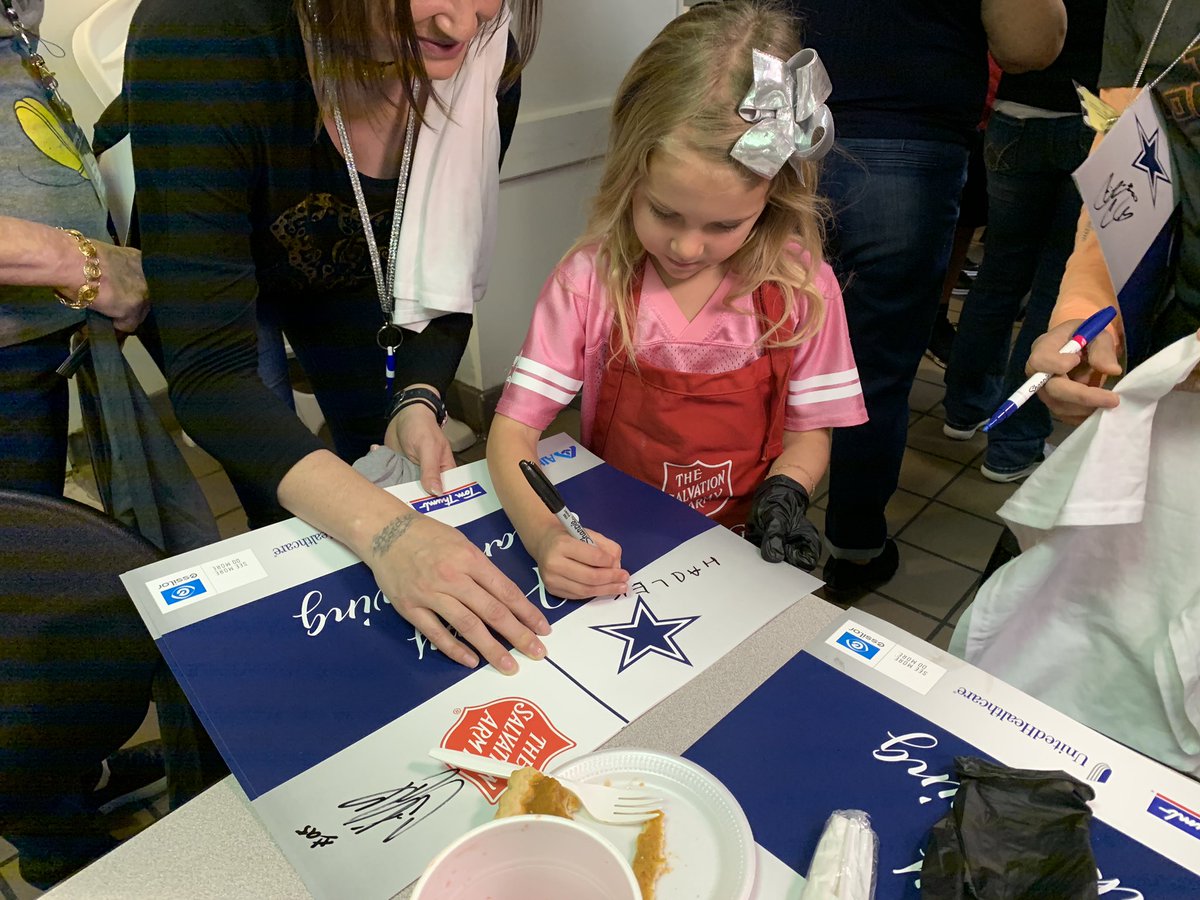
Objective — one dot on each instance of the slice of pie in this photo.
(531, 792)
(650, 860)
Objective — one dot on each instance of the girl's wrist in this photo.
(808, 482)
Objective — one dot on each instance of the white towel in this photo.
(449, 226)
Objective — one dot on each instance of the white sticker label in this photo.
(206, 580)
(887, 657)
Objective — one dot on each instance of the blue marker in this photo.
(1084, 335)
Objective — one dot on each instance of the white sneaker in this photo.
(1008, 477)
(961, 434)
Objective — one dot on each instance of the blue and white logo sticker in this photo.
(205, 580)
(855, 644)
(186, 591)
(855, 640)
(1186, 820)
(450, 498)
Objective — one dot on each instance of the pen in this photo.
(1084, 335)
(549, 494)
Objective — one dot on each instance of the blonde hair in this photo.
(685, 89)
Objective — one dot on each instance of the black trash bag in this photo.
(1011, 834)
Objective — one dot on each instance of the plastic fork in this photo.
(616, 806)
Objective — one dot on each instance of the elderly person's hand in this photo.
(1075, 389)
(123, 295)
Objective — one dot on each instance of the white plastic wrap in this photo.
(843, 866)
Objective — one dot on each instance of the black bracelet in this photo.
(425, 397)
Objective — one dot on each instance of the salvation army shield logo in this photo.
(511, 729)
(705, 488)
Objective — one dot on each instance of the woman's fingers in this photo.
(1074, 390)
(123, 295)
(494, 584)
(1073, 402)
(1102, 355)
(439, 635)
(433, 571)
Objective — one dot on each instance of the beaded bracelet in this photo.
(91, 274)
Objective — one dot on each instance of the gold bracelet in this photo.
(91, 274)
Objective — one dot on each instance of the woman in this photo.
(266, 135)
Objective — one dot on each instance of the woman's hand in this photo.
(123, 295)
(414, 431)
(1075, 389)
(441, 583)
(574, 570)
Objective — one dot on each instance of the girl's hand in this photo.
(1075, 389)
(577, 571)
(435, 578)
(414, 431)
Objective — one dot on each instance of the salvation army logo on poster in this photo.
(511, 729)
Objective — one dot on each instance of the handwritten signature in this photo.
(405, 806)
(1115, 202)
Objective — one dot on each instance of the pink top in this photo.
(567, 346)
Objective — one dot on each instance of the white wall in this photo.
(586, 47)
(550, 172)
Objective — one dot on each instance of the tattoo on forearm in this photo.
(392, 532)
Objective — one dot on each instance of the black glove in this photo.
(778, 525)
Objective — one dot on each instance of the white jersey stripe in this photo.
(816, 381)
(833, 393)
(520, 379)
(544, 372)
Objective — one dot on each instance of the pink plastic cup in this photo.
(529, 858)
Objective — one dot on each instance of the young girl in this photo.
(696, 314)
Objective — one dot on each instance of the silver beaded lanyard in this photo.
(389, 336)
(40, 72)
(1150, 48)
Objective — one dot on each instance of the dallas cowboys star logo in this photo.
(1148, 162)
(645, 633)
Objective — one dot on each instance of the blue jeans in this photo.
(33, 414)
(1033, 208)
(895, 204)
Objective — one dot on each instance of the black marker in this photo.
(549, 494)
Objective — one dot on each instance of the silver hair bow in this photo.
(786, 105)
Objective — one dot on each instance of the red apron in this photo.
(705, 439)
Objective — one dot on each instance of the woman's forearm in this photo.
(36, 255)
(329, 495)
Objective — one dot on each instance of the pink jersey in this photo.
(567, 347)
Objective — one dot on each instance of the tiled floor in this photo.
(943, 518)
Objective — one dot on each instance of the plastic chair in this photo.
(76, 661)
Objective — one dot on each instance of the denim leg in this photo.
(1019, 440)
(895, 206)
(1032, 210)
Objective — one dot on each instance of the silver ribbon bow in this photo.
(786, 105)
